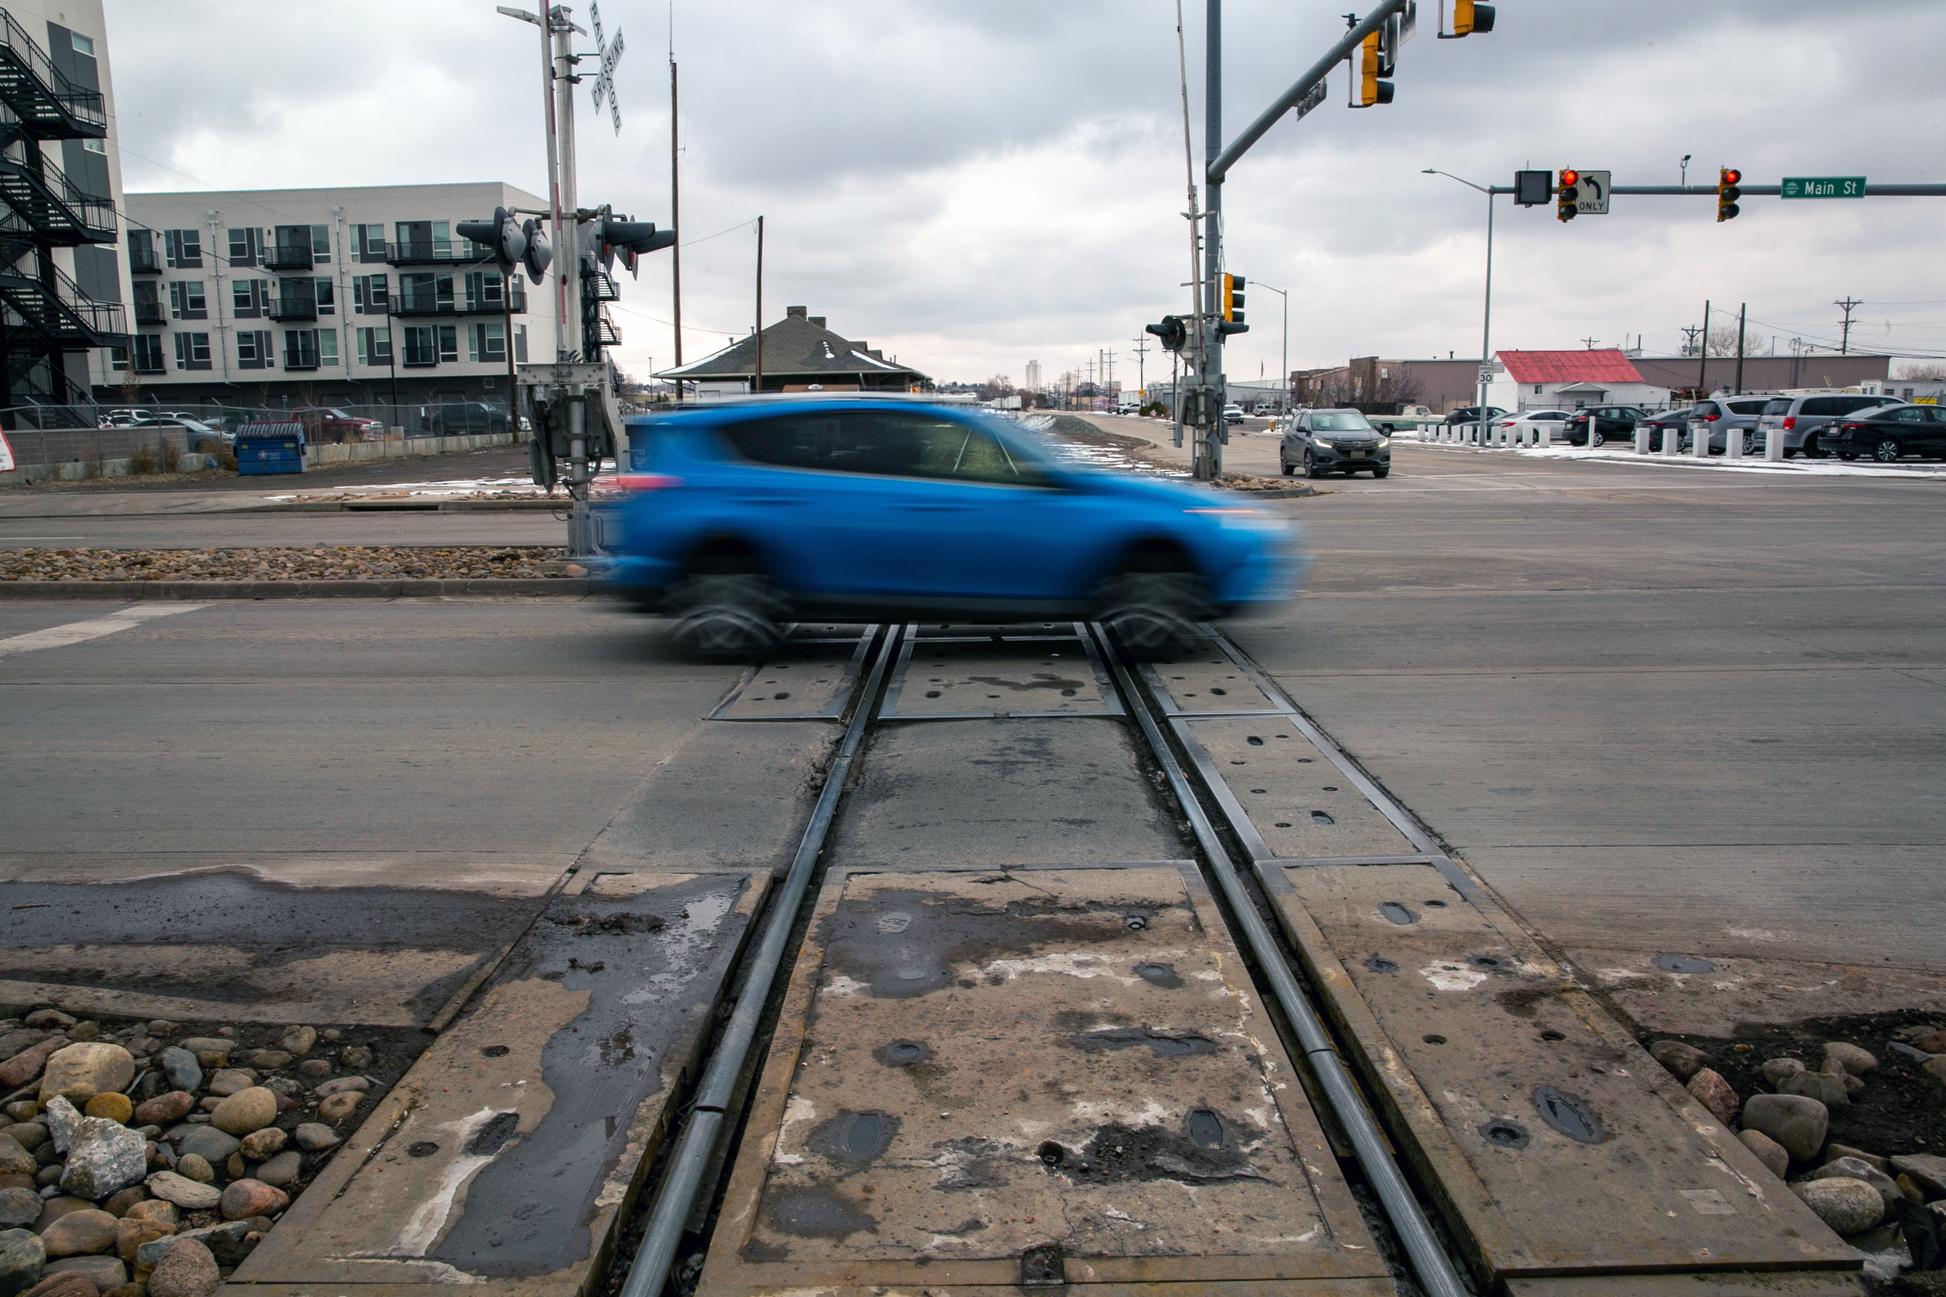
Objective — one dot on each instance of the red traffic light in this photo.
(1569, 175)
(1731, 176)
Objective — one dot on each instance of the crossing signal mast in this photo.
(571, 400)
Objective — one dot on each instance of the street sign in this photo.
(611, 54)
(1591, 198)
(1408, 21)
(1312, 98)
(1486, 373)
(1823, 187)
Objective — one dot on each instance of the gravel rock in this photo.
(19, 1038)
(30, 1135)
(1834, 1150)
(26, 1065)
(245, 1111)
(315, 1069)
(247, 1197)
(230, 1241)
(21, 1259)
(22, 1110)
(80, 1233)
(230, 1080)
(263, 1144)
(105, 1156)
(15, 1160)
(235, 1168)
(315, 1137)
(63, 1121)
(131, 1233)
(194, 1166)
(104, 1271)
(206, 1142)
(281, 1172)
(187, 1269)
(164, 1109)
(342, 1084)
(1767, 1150)
(110, 1106)
(361, 1055)
(1856, 1061)
(1853, 1168)
(65, 1285)
(1847, 1206)
(156, 1210)
(1935, 1067)
(210, 1051)
(1932, 1040)
(1928, 1171)
(122, 1201)
(1827, 1090)
(338, 1107)
(19, 1208)
(283, 563)
(80, 1071)
(269, 1060)
(51, 1019)
(1716, 1094)
(48, 1176)
(1682, 1060)
(184, 1192)
(298, 1041)
(181, 1067)
(1797, 1123)
(1777, 1070)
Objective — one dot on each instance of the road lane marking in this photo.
(77, 632)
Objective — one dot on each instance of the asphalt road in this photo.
(1658, 711)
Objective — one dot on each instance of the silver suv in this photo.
(1719, 417)
(1799, 419)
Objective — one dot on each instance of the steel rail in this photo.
(708, 1116)
(1430, 1263)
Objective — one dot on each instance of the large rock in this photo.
(80, 1071)
(315, 1137)
(27, 1064)
(1828, 1090)
(156, 1210)
(63, 1120)
(80, 1233)
(192, 1166)
(1847, 1206)
(1683, 1060)
(1776, 1070)
(1857, 1168)
(103, 1157)
(1768, 1151)
(1716, 1094)
(262, 1145)
(245, 1111)
(338, 1107)
(1928, 1170)
(298, 1041)
(230, 1080)
(1856, 1061)
(132, 1232)
(20, 1038)
(1798, 1124)
(210, 1051)
(230, 1241)
(181, 1067)
(15, 1160)
(249, 1197)
(105, 1271)
(165, 1109)
(21, 1259)
(281, 1171)
(65, 1285)
(187, 1269)
(207, 1142)
(184, 1192)
(19, 1208)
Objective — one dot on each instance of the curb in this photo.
(402, 588)
(399, 506)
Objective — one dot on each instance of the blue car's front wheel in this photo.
(1154, 614)
(726, 616)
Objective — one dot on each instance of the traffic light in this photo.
(1727, 192)
(1470, 16)
(1566, 193)
(1371, 63)
(1171, 330)
(1233, 286)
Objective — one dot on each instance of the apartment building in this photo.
(63, 283)
(335, 296)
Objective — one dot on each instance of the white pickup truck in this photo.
(1411, 418)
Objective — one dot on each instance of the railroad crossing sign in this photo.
(611, 54)
(1312, 98)
(1823, 187)
(1591, 196)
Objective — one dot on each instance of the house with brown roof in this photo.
(1568, 380)
(799, 353)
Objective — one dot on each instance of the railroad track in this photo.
(1308, 1053)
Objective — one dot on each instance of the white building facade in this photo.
(367, 297)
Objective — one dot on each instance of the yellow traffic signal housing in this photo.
(1727, 193)
(1371, 89)
(1469, 17)
(1566, 193)
(1233, 286)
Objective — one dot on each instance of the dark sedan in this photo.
(1603, 424)
(1669, 423)
(1889, 434)
(1326, 441)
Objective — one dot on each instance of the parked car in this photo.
(1129, 408)
(1801, 420)
(1323, 441)
(1531, 421)
(1410, 418)
(123, 418)
(1667, 423)
(1601, 424)
(1233, 414)
(744, 515)
(1720, 417)
(1264, 409)
(1888, 433)
(460, 418)
(328, 423)
(197, 435)
(1471, 414)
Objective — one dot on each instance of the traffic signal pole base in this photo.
(584, 531)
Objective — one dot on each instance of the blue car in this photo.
(742, 516)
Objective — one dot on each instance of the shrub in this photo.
(141, 461)
(91, 462)
(168, 456)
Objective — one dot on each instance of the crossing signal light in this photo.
(1727, 192)
(1469, 17)
(1171, 330)
(1371, 63)
(1233, 286)
(1566, 193)
(621, 237)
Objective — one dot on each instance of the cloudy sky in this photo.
(969, 186)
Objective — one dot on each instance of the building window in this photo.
(484, 291)
(374, 346)
(183, 248)
(1537, 389)
(83, 44)
(255, 350)
(449, 342)
(301, 349)
(117, 359)
(327, 296)
(421, 347)
(192, 351)
(96, 146)
(186, 301)
(368, 241)
(520, 343)
(486, 342)
(248, 297)
(321, 244)
(328, 348)
(148, 353)
(368, 294)
(243, 247)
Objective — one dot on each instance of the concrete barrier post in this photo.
(1774, 445)
(1544, 435)
(1733, 443)
(1641, 441)
(1700, 445)
(1672, 442)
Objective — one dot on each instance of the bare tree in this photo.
(1723, 340)
(1927, 371)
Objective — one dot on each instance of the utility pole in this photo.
(675, 208)
(1742, 308)
(1703, 355)
(1849, 304)
(1689, 332)
(758, 386)
(1141, 371)
(1110, 380)
(1591, 342)
(1208, 460)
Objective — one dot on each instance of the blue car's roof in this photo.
(709, 411)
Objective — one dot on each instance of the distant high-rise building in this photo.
(1032, 382)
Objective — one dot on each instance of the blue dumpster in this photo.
(270, 448)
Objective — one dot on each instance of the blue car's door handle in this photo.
(933, 508)
(760, 498)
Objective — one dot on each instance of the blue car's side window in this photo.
(887, 443)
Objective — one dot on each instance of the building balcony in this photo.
(298, 307)
(426, 252)
(46, 103)
(141, 366)
(56, 210)
(408, 303)
(412, 358)
(301, 362)
(285, 256)
(144, 261)
(148, 312)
